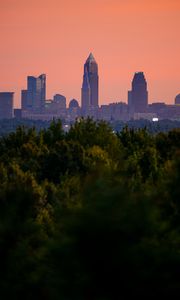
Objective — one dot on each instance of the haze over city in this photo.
(54, 37)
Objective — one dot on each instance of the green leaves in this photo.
(89, 213)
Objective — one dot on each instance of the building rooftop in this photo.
(90, 58)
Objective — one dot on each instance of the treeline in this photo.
(89, 214)
(152, 127)
(10, 125)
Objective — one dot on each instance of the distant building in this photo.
(6, 105)
(156, 107)
(105, 113)
(138, 96)
(56, 107)
(177, 100)
(48, 103)
(36, 92)
(114, 112)
(60, 100)
(145, 116)
(130, 106)
(74, 110)
(85, 92)
(32, 115)
(18, 113)
(164, 111)
(73, 104)
(170, 112)
(90, 86)
(24, 101)
(119, 111)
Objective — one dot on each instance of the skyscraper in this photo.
(89, 91)
(138, 96)
(24, 103)
(36, 92)
(6, 105)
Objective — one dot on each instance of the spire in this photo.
(90, 58)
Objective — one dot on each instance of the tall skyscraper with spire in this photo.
(138, 96)
(90, 86)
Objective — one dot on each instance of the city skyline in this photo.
(85, 77)
(35, 105)
(55, 37)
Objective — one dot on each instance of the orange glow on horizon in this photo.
(56, 36)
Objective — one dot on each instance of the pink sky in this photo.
(56, 36)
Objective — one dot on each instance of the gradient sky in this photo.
(56, 36)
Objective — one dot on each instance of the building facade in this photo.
(24, 99)
(90, 86)
(60, 100)
(138, 96)
(177, 100)
(6, 105)
(36, 92)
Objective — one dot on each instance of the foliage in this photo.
(89, 214)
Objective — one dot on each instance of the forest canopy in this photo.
(89, 213)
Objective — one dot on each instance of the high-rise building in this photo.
(85, 92)
(36, 92)
(90, 86)
(24, 103)
(138, 96)
(6, 105)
